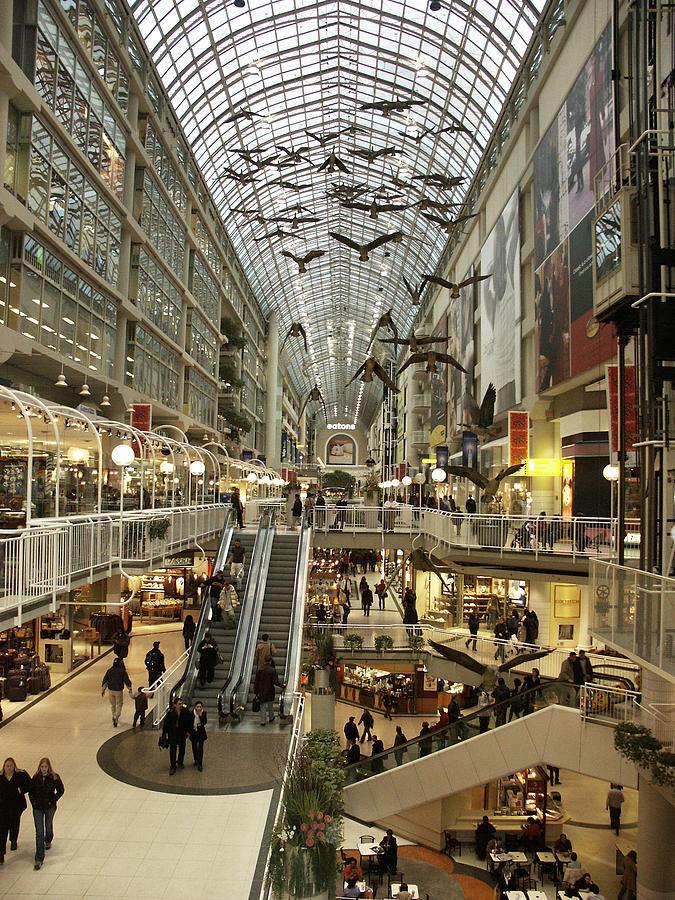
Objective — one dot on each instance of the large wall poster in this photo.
(574, 149)
(461, 346)
(500, 307)
(340, 451)
(439, 388)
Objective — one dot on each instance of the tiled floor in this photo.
(112, 839)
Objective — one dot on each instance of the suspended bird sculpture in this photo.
(435, 132)
(387, 107)
(296, 221)
(431, 357)
(242, 114)
(314, 394)
(474, 665)
(296, 330)
(333, 163)
(490, 486)
(293, 156)
(278, 233)
(415, 293)
(347, 191)
(364, 249)
(323, 139)
(447, 225)
(440, 205)
(289, 185)
(302, 261)
(240, 177)
(414, 342)
(375, 208)
(444, 182)
(481, 416)
(369, 368)
(385, 321)
(371, 154)
(453, 286)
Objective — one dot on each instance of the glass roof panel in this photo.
(271, 97)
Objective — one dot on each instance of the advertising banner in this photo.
(630, 416)
(519, 437)
(470, 449)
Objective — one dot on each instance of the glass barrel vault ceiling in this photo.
(250, 84)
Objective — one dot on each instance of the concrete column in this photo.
(272, 419)
(4, 114)
(656, 832)
(121, 347)
(7, 19)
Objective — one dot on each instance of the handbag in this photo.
(163, 742)
(255, 706)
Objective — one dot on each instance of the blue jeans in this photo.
(44, 831)
(266, 707)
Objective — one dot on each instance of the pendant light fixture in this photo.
(105, 401)
(84, 390)
(61, 380)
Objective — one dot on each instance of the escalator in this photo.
(459, 756)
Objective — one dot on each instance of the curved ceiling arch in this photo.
(266, 93)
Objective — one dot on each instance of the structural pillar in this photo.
(656, 832)
(544, 445)
(272, 421)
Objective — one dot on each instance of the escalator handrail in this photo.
(448, 729)
(295, 627)
(247, 603)
(186, 683)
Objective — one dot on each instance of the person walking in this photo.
(14, 785)
(399, 739)
(351, 731)
(387, 702)
(265, 652)
(198, 733)
(615, 800)
(367, 601)
(237, 561)
(154, 663)
(208, 657)
(45, 790)
(115, 680)
(237, 506)
(214, 587)
(140, 707)
(177, 726)
(628, 889)
(381, 589)
(266, 679)
(296, 510)
(228, 604)
(501, 633)
(363, 587)
(121, 642)
(367, 721)
(189, 629)
(474, 625)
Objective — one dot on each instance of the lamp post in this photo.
(611, 474)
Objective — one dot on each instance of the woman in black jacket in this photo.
(189, 629)
(14, 784)
(44, 791)
(198, 733)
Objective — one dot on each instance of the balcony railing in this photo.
(610, 706)
(45, 559)
(634, 611)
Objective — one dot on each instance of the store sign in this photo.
(566, 601)
(519, 437)
(470, 449)
(630, 411)
(141, 417)
(543, 468)
(341, 427)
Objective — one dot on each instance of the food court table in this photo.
(536, 895)
(516, 895)
(414, 892)
(545, 860)
(368, 851)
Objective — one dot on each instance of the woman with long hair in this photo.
(46, 788)
(14, 784)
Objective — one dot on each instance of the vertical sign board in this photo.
(519, 437)
(470, 449)
(284, 445)
(629, 413)
(442, 456)
(141, 417)
(567, 492)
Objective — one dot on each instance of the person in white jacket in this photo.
(228, 601)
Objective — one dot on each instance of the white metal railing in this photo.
(160, 691)
(43, 560)
(256, 507)
(501, 533)
(615, 706)
(634, 611)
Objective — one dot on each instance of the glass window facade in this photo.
(64, 83)
(205, 289)
(160, 159)
(206, 244)
(162, 225)
(152, 367)
(200, 398)
(66, 201)
(201, 342)
(156, 294)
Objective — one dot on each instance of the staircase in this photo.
(224, 637)
(275, 617)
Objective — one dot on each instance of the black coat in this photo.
(198, 733)
(177, 725)
(154, 661)
(13, 793)
(351, 731)
(45, 791)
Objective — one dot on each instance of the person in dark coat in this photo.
(14, 785)
(425, 745)
(500, 694)
(266, 679)
(484, 833)
(377, 765)
(367, 600)
(198, 733)
(502, 636)
(387, 855)
(140, 707)
(367, 721)
(410, 617)
(115, 680)
(473, 630)
(470, 505)
(208, 657)
(154, 663)
(351, 731)
(121, 644)
(177, 726)
(189, 629)
(237, 506)
(45, 790)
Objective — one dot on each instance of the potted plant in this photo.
(353, 641)
(638, 744)
(383, 642)
(323, 663)
(303, 848)
(416, 642)
(157, 529)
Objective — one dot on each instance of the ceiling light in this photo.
(406, 481)
(240, 4)
(84, 390)
(438, 474)
(434, 5)
(197, 467)
(122, 455)
(61, 380)
(105, 401)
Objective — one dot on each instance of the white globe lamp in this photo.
(406, 481)
(123, 455)
(197, 467)
(438, 475)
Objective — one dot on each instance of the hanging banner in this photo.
(442, 456)
(284, 446)
(141, 417)
(470, 449)
(519, 437)
(630, 411)
(567, 492)
(246, 455)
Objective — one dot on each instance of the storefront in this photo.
(450, 600)
(411, 689)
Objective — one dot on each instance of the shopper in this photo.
(363, 587)
(426, 744)
(208, 657)
(484, 712)
(367, 721)
(485, 831)
(387, 703)
(154, 663)
(351, 731)
(399, 739)
(265, 652)
(296, 510)
(121, 642)
(377, 765)
(14, 785)
(140, 707)
(516, 707)
(214, 587)
(387, 855)
(586, 667)
(367, 600)
(189, 629)
(628, 889)
(474, 625)
(381, 589)
(568, 693)
(501, 633)
(237, 506)
(500, 695)
(177, 726)
(45, 790)
(615, 800)
(266, 679)
(228, 604)
(410, 618)
(115, 680)
(470, 505)
(198, 733)
(237, 561)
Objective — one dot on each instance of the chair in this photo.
(511, 842)
(394, 878)
(367, 839)
(451, 843)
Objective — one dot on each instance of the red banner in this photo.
(519, 437)
(141, 417)
(630, 412)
